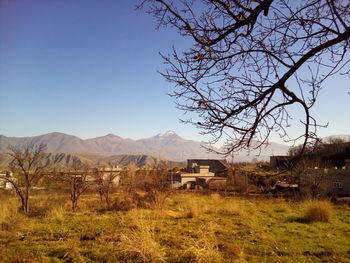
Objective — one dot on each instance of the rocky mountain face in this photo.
(168, 146)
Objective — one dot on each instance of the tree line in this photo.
(28, 169)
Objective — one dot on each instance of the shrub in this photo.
(318, 211)
(156, 199)
(124, 202)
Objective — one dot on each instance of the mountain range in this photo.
(167, 145)
(95, 160)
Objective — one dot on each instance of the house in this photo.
(200, 171)
(333, 180)
(331, 155)
(199, 176)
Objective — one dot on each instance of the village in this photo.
(331, 178)
(162, 211)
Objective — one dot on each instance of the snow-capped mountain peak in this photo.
(167, 133)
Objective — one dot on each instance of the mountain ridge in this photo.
(167, 145)
(62, 160)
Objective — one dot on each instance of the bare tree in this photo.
(157, 186)
(129, 178)
(106, 179)
(312, 180)
(77, 177)
(27, 168)
(251, 61)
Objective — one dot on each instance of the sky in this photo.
(89, 68)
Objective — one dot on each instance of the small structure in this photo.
(4, 184)
(113, 171)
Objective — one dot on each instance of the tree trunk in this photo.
(107, 199)
(74, 204)
(26, 200)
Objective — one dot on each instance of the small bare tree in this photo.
(157, 186)
(129, 178)
(76, 176)
(27, 168)
(106, 179)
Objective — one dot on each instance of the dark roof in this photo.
(215, 165)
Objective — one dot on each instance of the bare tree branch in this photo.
(251, 62)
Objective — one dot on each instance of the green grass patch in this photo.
(191, 228)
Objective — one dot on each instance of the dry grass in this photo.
(230, 208)
(222, 205)
(138, 243)
(193, 227)
(204, 249)
(318, 211)
(158, 199)
(235, 253)
(193, 210)
(10, 216)
(7, 208)
(215, 197)
(57, 213)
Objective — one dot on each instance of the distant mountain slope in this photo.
(272, 149)
(167, 145)
(95, 160)
(55, 142)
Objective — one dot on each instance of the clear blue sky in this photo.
(89, 67)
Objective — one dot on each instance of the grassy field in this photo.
(189, 228)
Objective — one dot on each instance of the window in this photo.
(338, 185)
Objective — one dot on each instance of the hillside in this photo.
(96, 160)
(168, 146)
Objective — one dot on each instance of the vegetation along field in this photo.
(186, 227)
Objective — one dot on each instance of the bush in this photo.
(318, 211)
(123, 202)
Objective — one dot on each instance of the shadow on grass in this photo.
(298, 219)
